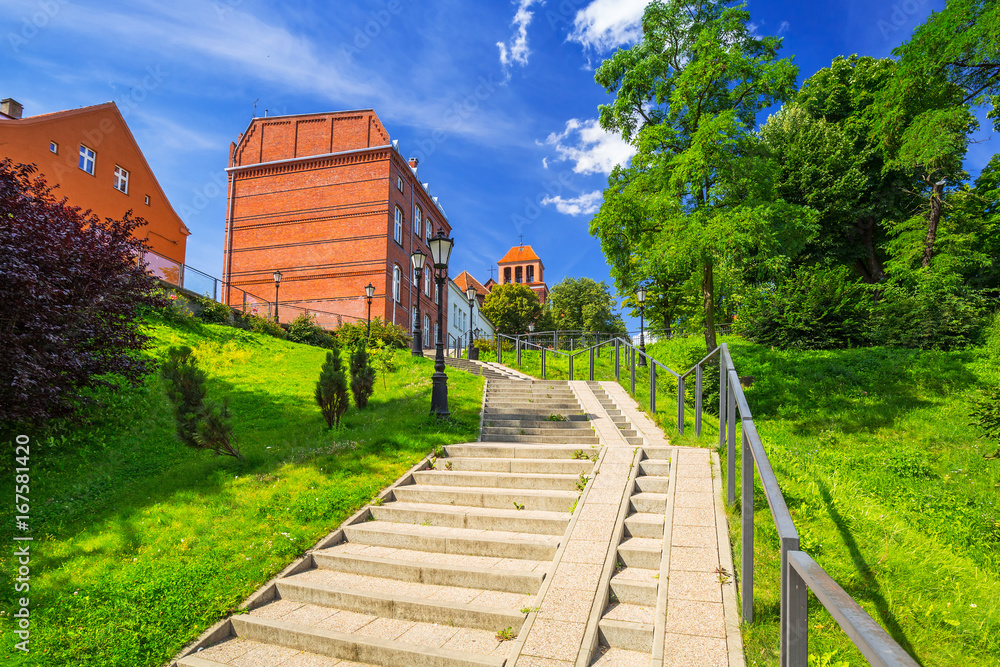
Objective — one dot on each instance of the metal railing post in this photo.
(680, 406)
(543, 363)
(731, 433)
(631, 355)
(618, 373)
(518, 353)
(571, 364)
(697, 401)
(794, 610)
(652, 390)
(591, 364)
(746, 563)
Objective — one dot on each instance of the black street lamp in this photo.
(640, 295)
(417, 259)
(440, 246)
(470, 294)
(277, 281)
(369, 293)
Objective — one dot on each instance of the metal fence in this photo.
(193, 280)
(799, 572)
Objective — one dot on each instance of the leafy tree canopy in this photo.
(511, 308)
(583, 304)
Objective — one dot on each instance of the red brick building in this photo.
(522, 265)
(93, 157)
(328, 200)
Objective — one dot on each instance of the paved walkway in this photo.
(637, 572)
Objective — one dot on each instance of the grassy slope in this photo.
(147, 543)
(886, 480)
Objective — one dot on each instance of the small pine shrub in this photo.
(331, 389)
(304, 329)
(201, 424)
(362, 377)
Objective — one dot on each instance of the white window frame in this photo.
(427, 331)
(54, 147)
(437, 294)
(399, 183)
(121, 179)
(417, 217)
(427, 283)
(428, 225)
(398, 229)
(147, 200)
(397, 278)
(413, 319)
(88, 158)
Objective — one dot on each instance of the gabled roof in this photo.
(464, 279)
(520, 253)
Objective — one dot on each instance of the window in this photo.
(397, 275)
(147, 200)
(427, 283)
(427, 331)
(414, 276)
(399, 183)
(413, 319)
(398, 231)
(437, 294)
(416, 221)
(428, 229)
(436, 333)
(87, 159)
(121, 179)
(54, 147)
(531, 273)
(506, 275)
(517, 274)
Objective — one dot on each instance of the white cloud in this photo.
(545, 162)
(593, 150)
(783, 27)
(586, 204)
(517, 51)
(605, 24)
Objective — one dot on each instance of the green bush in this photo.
(816, 308)
(214, 312)
(362, 377)
(304, 329)
(937, 313)
(349, 335)
(331, 389)
(384, 361)
(176, 307)
(263, 325)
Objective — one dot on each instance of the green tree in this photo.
(511, 308)
(383, 360)
(584, 304)
(331, 389)
(362, 376)
(698, 194)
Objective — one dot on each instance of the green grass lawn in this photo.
(887, 482)
(141, 543)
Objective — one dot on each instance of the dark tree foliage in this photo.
(331, 389)
(362, 377)
(71, 294)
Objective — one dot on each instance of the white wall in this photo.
(458, 315)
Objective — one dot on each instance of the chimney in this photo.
(414, 162)
(11, 108)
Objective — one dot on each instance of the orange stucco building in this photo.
(521, 265)
(92, 156)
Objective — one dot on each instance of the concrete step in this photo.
(605, 656)
(569, 467)
(526, 412)
(635, 585)
(516, 418)
(528, 405)
(241, 651)
(497, 544)
(626, 635)
(460, 571)
(654, 468)
(644, 525)
(496, 480)
(649, 484)
(487, 449)
(652, 503)
(538, 423)
(569, 438)
(531, 499)
(641, 552)
(474, 518)
(634, 440)
(354, 647)
(580, 431)
(657, 453)
(315, 591)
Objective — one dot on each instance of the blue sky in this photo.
(497, 98)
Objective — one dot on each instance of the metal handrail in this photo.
(799, 572)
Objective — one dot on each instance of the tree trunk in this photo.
(869, 266)
(933, 218)
(708, 298)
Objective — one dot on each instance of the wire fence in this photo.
(188, 278)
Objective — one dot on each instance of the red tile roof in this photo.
(464, 279)
(522, 253)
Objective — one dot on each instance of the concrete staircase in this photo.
(536, 411)
(486, 369)
(625, 630)
(441, 571)
(631, 435)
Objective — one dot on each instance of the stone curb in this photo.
(734, 637)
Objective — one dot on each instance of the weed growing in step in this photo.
(377, 501)
(447, 465)
(578, 454)
(572, 508)
(528, 610)
(519, 506)
(581, 483)
(556, 418)
(505, 635)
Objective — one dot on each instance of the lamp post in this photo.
(470, 294)
(277, 281)
(640, 295)
(369, 293)
(440, 246)
(417, 259)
